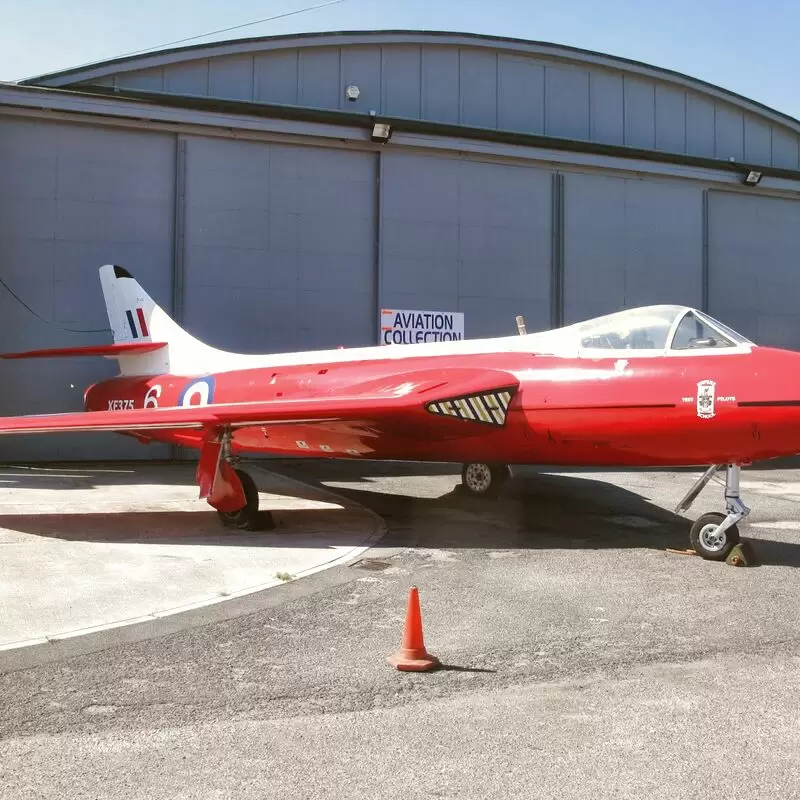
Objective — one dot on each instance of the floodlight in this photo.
(753, 177)
(381, 132)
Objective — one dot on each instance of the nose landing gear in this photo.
(713, 535)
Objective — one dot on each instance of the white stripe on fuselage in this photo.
(210, 360)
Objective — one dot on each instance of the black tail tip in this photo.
(121, 272)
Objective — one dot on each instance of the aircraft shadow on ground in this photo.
(548, 512)
(536, 511)
(167, 474)
(294, 528)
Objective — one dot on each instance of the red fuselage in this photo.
(568, 411)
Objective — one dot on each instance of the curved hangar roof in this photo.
(466, 79)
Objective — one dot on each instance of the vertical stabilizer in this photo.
(135, 317)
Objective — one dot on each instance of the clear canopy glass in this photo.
(650, 330)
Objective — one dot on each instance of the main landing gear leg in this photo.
(484, 480)
(714, 535)
(228, 489)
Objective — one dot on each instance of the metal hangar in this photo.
(277, 193)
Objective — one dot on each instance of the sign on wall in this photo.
(416, 327)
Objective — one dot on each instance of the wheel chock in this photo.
(741, 555)
(674, 551)
(412, 655)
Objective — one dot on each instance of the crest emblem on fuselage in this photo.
(706, 391)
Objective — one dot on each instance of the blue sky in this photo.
(746, 46)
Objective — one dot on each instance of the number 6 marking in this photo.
(151, 398)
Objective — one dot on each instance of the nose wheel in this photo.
(708, 538)
(714, 535)
(484, 480)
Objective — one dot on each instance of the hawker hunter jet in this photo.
(659, 386)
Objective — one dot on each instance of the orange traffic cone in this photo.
(413, 656)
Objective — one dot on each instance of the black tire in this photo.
(247, 517)
(484, 480)
(703, 546)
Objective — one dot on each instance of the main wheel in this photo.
(706, 543)
(484, 480)
(247, 517)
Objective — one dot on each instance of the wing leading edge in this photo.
(475, 396)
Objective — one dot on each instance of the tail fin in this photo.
(135, 317)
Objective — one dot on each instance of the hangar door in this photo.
(279, 246)
(464, 235)
(72, 198)
(630, 243)
(753, 263)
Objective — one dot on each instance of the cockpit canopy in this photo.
(649, 330)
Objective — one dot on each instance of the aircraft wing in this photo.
(445, 397)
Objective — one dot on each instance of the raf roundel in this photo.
(197, 393)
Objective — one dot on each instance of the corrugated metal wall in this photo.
(488, 88)
(280, 246)
(753, 259)
(71, 199)
(630, 242)
(471, 236)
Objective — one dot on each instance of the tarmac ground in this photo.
(581, 658)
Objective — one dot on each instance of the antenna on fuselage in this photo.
(521, 325)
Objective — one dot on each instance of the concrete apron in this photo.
(93, 556)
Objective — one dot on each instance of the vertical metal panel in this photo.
(729, 132)
(280, 246)
(640, 112)
(440, 79)
(401, 81)
(320, 79)
(785, 151)
(705, 295)
(467, 236)
(361, 66)
(557, 253)
(630, 243)
(190, 77)
(567, 96)
(108, 81)
(419, 231)
(478, 84)
(74, 198)
(376, 295)
(520, 94)
(179, 265)
(608, 107)
(231, 78)
(699, 125)
(670, 119)
(145, 80)
(757, 141)
(754, 249)
(594, 246)
(277, 77)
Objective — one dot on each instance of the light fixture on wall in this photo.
(752, 178)
(352, 92)
(381, 132)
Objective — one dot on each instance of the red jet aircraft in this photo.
(659, 386)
